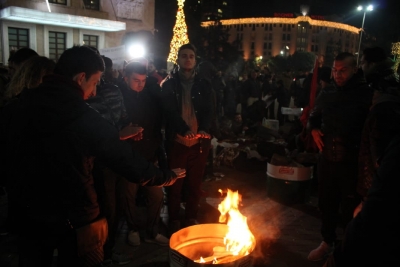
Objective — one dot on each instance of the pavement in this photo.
(285, 234)
(285, 231)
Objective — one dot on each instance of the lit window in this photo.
(61, 2)
(57, 44)
(18, 38)
(92, 4)
(91, 40)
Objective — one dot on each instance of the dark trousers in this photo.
(271, 111)
(154, 200)
(337, 183)
(111, 206)
(194, 161)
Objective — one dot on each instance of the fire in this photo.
(239, 240)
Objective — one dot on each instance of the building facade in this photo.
(267, 37)
(51, 26)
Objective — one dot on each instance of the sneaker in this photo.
(133, 238)
(321, 252)
(120, 259)
(159, 239)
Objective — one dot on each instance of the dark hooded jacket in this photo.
(340, 113)
(52, 140)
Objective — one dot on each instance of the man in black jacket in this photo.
(187, 105)
(141, 98)
(52, 141)
(336, 123)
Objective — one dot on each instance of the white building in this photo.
(51, 26)
(286, 33)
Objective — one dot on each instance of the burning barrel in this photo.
(228, 244)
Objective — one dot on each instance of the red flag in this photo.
(313, 92)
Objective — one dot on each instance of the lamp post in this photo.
(360, 8)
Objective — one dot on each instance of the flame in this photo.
(239, 240)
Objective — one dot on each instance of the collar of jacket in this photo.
(55, 78)
(355, 81)
(183, 76)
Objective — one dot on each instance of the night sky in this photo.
(383, 22)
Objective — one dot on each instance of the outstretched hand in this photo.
(180, 173)
(317, 134)
(200, 134)
(130, 131)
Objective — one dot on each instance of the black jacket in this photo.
(53, 138)
(382, 123)
(144, 110)
(171, 101)
(340, 113)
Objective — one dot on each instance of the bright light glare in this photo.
(136, 51)
(359, 8)
(287, 47)
(281, 52)
(370, 8)
(48, 6)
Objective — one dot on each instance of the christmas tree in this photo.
(396, 53)
(180, 36)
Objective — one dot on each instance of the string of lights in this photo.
(180, 36)
(312, 22)
(396, 53)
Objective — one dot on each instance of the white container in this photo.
(289, 173)
(292, 111)
(271, 124)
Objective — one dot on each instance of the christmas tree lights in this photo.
(396, 53)
(180, 36)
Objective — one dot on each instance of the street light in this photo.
(360, 8)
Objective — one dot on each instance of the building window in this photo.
(270, 36)
(283, 37)
(270, 27)
(284, 27)
(252, 45)
(92, 4)
(57, 44)
(17, 38)
(269, 45)
(288, 37)
(265, 45)
(91, 40)
(61, 2)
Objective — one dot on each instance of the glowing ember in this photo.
(239, 241)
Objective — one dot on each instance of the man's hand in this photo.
(203, 134)
(180, 173)
(130, 131)
(316, 134)
(189, 135)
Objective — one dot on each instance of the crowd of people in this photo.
(82, 142)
